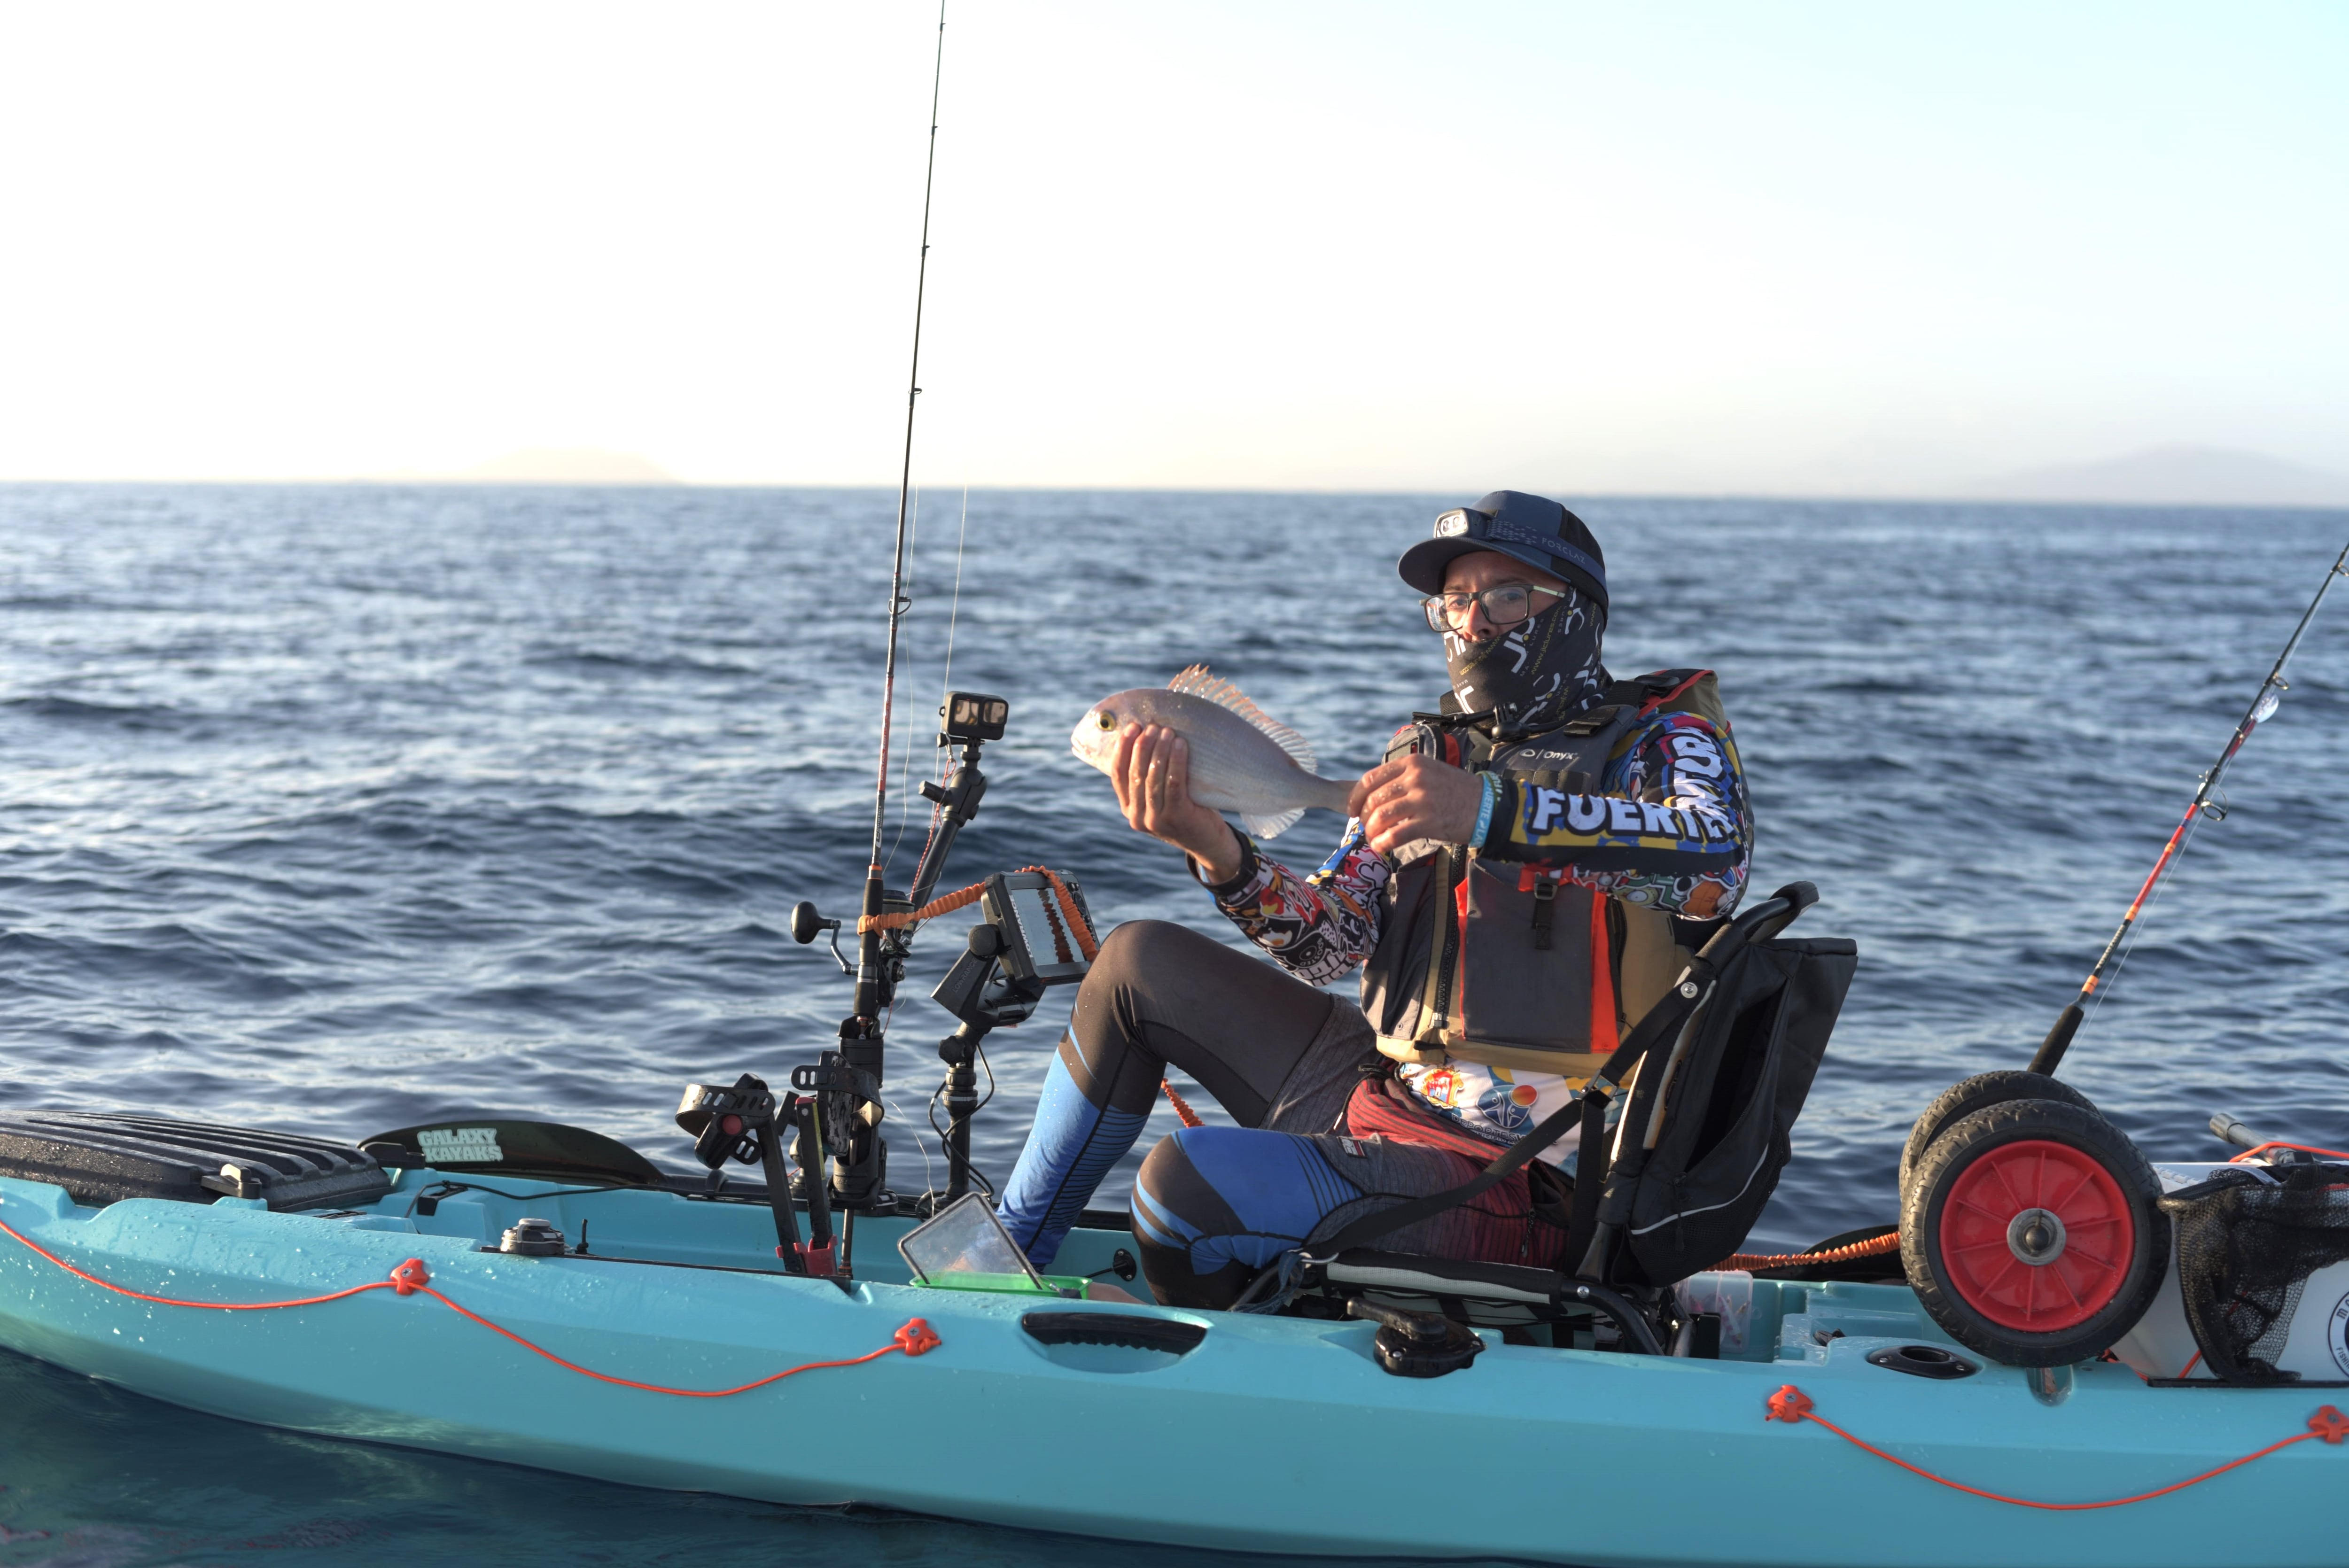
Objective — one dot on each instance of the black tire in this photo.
(2121, 1246)
(1978, 1092)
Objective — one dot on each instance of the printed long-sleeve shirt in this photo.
(1669, 827)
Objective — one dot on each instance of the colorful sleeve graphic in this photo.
(1671, 829)
(1315, 927)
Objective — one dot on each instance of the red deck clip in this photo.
(410, 1278)
(1790, 1405)
(917, 1338)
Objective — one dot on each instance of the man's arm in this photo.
(1315, 927)
(1671, 818)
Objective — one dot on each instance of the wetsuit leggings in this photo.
(1213, 1205)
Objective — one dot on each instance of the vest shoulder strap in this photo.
(1452, 738)
(1677, 691)
(1460, 738)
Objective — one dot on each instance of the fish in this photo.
(1243, 761)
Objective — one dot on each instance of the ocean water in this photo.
(341, 808)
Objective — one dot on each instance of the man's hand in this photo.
(1151, 771)
(1415, 797)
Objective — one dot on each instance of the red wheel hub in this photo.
(2036, 1236)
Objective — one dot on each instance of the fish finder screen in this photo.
(1036, 938)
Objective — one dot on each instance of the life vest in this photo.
(1511, 965)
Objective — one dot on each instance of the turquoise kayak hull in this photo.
(1272, 1435)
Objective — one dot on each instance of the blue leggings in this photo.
(1213, 1205)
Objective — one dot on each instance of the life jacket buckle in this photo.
(1542, 885)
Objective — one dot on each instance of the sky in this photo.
(1762, 248)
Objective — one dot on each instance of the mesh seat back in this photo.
(1728, 1114)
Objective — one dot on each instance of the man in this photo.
(1522, 878)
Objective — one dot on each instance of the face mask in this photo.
(1537, 674)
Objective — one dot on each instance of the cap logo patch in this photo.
(1452, 523)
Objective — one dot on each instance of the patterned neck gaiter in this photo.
(1537, 674)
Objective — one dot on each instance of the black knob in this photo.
(1416, 1343)
(532, 1238)
(986, 939)
(807, 924)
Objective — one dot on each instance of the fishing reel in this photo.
(807, 924)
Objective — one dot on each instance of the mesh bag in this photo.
(2247, 1242)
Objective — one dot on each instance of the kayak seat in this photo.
(1714, 1077)
(1486, 1296)
(104, 1157)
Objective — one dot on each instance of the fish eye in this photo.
(1107, 721)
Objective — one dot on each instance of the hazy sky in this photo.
(1447, 246)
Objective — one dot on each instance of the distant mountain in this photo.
(2177, 476)
(562, 466)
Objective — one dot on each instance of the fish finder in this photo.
(1034, 929)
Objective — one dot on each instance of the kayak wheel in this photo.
(2031, 1233)
(1978, 1092)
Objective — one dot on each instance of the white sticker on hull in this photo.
(461, 1145)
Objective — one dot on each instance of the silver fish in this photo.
(1243, 761)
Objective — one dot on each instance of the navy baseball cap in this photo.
(1536, 531)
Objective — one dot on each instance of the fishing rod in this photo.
(833, 1112)
(836, 1103)
(2264, 705)
(872, 982)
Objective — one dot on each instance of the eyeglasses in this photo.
(1503, 606)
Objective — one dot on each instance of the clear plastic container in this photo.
(1729, 1296)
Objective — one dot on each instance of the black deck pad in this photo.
(103, 1157)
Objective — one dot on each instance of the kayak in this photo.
(658, 1343)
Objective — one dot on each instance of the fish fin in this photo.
(1196, 682)
(1272, 826)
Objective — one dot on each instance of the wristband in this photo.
(1491, 792)
(1240, 879)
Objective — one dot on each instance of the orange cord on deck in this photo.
(411, 1278)
(2249, 1155)
(1791, 1406)
(1078, 927)
(1754, 1262)
(914, 1338)
(395, 1283)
